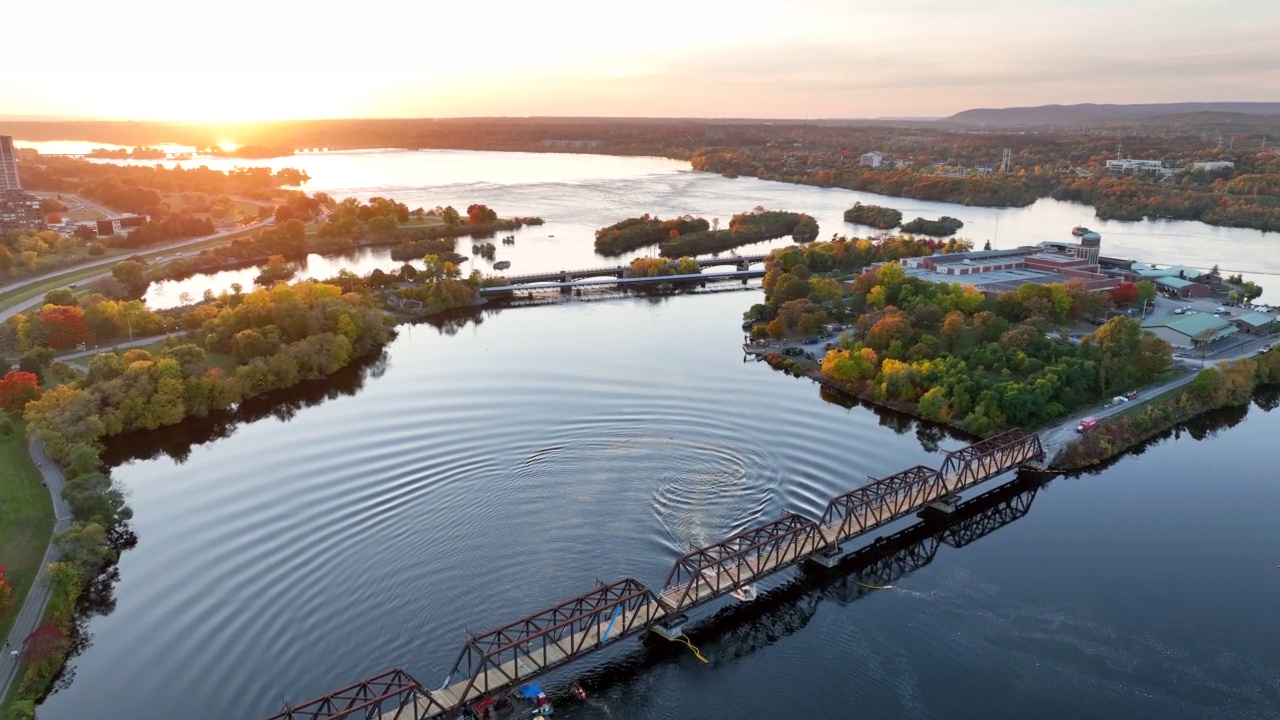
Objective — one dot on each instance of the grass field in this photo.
(26, 520)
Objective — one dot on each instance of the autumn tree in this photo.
(65, 326)
(1124, 294)
(45, 643)
(18, 388)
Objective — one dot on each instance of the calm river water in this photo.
(474, 474)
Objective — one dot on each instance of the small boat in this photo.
(551, 236)
(502, 265)
(746, 593)
(1079, 230)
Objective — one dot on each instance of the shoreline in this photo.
(1077, 452)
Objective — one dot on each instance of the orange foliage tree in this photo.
(66, 326)
(17, 388)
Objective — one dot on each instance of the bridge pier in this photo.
(942, 506)
(673, 628)
(828, 558)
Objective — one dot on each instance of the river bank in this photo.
(1232, 383)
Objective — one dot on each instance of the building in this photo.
(113, 226)
(1132, 166)
(1190, 331)
(996, 271)
(8, 165)
(1254, 323)
(1177, 287)
(1212, 165)
(19, 211)
(871, 160)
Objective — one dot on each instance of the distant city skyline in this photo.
(750, 59)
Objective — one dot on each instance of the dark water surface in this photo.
(462, 481)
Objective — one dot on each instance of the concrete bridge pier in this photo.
(672, 628)
(828, 558)
(941, 506)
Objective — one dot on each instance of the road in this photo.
(23, 305)
(1055, 439)
(38, 597)
(142, 251)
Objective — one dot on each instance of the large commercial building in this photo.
(8, 165)
(1190, 331)
(996, 271)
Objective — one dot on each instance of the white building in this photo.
(1212, 165)
(871, 159)
(1139, 167)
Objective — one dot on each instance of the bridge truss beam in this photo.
(392, 695)
(516, 652)
(739, 559)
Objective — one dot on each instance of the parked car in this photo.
(1180, 311)
(1221, 311)
(1119, 400)
(1266, 348)
(1132, 395)
(1087, 424)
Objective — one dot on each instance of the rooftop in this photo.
(1255, 319)
(1191, 325)
(1173, 282)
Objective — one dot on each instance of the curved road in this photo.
(38, 596)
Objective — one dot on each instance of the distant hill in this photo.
(1089, 113)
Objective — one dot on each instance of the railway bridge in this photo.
(741, 262)
(520, 651)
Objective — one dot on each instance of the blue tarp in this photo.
(530, 691)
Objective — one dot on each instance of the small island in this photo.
(942, 227)
(631, 234)
(876, 216)
(744, 229)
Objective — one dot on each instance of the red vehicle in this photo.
(1087, 424)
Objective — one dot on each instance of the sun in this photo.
(228, 146)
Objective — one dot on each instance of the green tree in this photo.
(131, 275)
(1146, 292)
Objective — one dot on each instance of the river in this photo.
(475, 474)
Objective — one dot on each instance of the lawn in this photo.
(26, 520)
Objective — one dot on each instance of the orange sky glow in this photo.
(144, 60)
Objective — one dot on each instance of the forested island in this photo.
(744, 229)
(348, 224)
(634, 233)
(875, 216)
(942, 227)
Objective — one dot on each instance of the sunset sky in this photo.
(239, 60)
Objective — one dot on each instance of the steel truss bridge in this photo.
(515, 653)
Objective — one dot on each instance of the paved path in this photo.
(38, 596)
